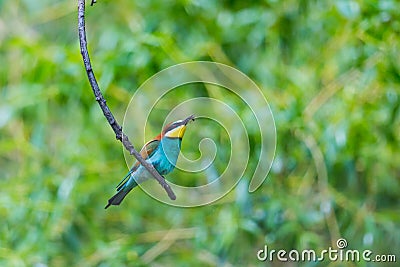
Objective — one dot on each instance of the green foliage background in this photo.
(329, 69)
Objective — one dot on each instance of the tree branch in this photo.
(102, 102)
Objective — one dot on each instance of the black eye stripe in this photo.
(172, 126)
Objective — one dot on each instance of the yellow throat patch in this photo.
(177, 132)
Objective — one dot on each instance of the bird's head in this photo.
(176, 129)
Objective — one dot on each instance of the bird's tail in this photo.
(117, 198)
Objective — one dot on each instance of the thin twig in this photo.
(102, 102)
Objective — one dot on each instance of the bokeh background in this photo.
(329, 69)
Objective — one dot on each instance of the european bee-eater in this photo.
(162, 152)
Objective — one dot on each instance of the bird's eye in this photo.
(173, 126)
(169, 128)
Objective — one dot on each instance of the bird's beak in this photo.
(188, 119)
(183, 125)
(180, 129)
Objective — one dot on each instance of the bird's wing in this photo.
(146, 152)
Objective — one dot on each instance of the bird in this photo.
(162, 152)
